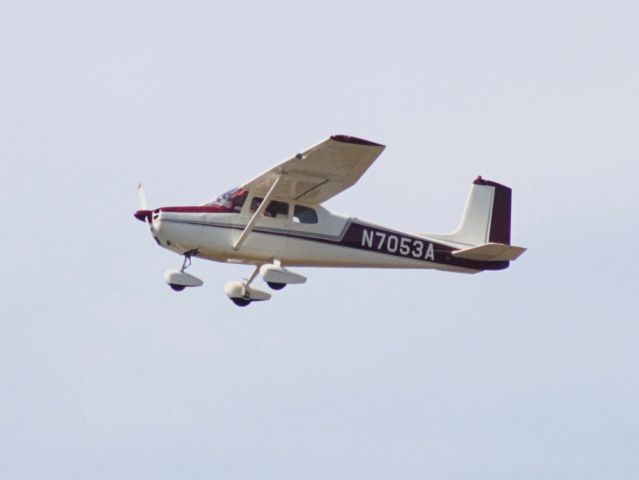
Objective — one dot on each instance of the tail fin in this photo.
(486, 217)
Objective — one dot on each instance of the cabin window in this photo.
(275, 209)
(303, 214)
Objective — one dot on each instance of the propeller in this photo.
(144, 205)
(144, 214)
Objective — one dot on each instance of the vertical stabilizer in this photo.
(486, 217)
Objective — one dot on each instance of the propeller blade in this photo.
(144, 205)
(144, 214)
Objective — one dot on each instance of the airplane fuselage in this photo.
(331, 240)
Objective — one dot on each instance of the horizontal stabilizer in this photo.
(490, 252)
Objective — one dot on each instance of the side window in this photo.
(275, 209)
(304, 215)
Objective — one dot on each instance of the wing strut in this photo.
(258, 213)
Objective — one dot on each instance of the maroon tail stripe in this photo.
(500, 221)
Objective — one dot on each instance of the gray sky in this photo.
(529, 373)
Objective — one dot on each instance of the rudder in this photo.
(501, 211)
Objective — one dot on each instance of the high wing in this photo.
(319, 173)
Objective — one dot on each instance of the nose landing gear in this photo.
(178, 280)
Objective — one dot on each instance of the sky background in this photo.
(527, 373)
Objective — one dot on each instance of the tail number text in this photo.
(389, 243)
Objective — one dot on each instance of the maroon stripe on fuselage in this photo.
(196, 209)
(398, 244)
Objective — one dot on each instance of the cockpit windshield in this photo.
(231, 200)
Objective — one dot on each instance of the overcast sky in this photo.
(526, 373)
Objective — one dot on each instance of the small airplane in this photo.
(276, 221)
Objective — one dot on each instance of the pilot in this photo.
(255, 204)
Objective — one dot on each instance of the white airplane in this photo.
(276, 221)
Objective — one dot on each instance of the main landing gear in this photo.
(275, 276)
(242, 294)
(178, 280)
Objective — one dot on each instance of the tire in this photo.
(276, 286)
(241, 302)
(177, 288)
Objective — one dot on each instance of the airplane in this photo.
(277, 221)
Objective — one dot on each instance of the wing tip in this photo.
(355, 141)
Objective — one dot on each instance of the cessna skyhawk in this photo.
(277, 221)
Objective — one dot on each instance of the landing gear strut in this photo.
(185, 264)
(178, 280)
